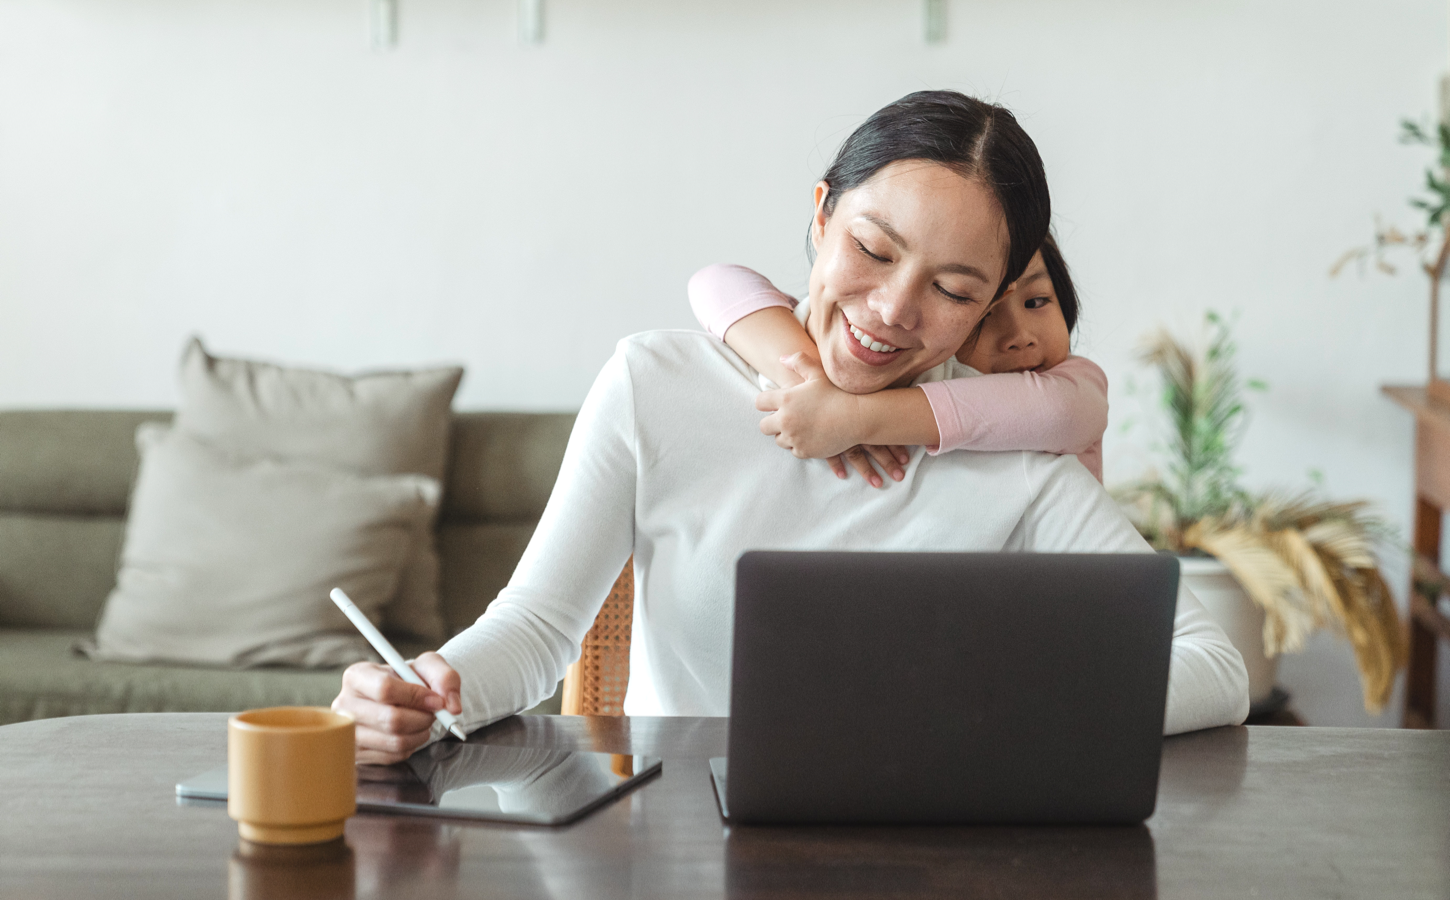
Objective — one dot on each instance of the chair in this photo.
(595, 685)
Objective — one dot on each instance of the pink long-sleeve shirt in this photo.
(1062, 410)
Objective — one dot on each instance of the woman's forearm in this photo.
(1071, 513)
(515, 654)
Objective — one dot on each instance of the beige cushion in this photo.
(228, 560)
(381, 423)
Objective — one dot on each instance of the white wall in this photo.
(251, 171)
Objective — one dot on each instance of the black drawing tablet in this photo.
(477, 781)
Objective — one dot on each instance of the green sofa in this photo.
(65, 479)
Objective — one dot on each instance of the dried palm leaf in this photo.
(1271, 583)
(1307, 562)
(1327, 551)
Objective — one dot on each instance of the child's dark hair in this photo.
(1061, 281)
(1062, 286)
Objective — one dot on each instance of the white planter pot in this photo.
(1240, 618)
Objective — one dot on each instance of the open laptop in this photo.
(947, 687)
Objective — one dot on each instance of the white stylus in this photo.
(393, 657)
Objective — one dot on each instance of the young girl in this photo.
(1033, 394)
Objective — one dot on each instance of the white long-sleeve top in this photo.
(666, 461)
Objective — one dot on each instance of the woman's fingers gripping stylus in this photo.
(393, 717)
(441, 677)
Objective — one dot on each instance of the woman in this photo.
(665, 461)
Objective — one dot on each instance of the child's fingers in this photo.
(862, 463)
(770, 425)
(902, 455)
(807, 367)
(784, 443)
(838, 465)
(887, 461)
(768, 401)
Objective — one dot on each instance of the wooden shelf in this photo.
(1418, 400)
(1430, 617)
(1427, 626)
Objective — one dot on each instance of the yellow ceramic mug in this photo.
(290, 774)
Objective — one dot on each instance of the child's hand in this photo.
(812, 420)
(817, 420)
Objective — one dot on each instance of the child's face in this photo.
(1024, 331)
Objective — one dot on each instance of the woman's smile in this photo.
(868, 348)
(905, 266)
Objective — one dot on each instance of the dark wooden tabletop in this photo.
(88, 809)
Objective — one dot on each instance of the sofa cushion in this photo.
(228, 560)
(56, 569)
(479, 559)
(78, 462)
(41, 677)
(502, 466)
(377, 423)
(80, 465)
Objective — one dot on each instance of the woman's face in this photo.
(905, 267)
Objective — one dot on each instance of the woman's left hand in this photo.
(860, 457)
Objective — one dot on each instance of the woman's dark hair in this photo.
(977, 139)
(1061, 281)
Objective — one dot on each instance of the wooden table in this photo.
(1428, 626)
(87, 809)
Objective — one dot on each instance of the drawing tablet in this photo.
(478, 781)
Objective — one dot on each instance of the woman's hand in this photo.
(394, 717)
(817, 420)
(890, 459)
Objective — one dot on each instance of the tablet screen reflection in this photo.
(510, 784)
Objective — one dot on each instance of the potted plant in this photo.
(1430, 243)
(1271, 567)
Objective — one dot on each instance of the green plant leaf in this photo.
(1412, 133)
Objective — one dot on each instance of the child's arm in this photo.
(1062, 410)
(818, 419)
(741, 307)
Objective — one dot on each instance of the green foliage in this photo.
(1438, 204)
(1202, 396)
(1432, 238)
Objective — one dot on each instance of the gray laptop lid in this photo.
(948, 687)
